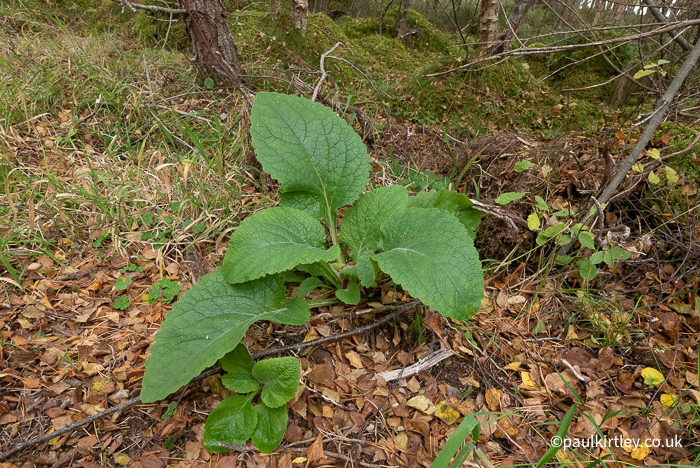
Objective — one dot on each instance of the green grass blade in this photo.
(469, 425)
(563, 429)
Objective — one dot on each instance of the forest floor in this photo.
(120, 193)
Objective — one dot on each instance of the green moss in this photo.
(427, 39)
(681, 137)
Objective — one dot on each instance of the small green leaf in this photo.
(587, 239)
(308, 285)
(671, 175)
(643, 73)
(550, 232)
(209, 321)
(539, 327)
(272, 241)
(172, 406)
(433, 257)
(520, 166)
(563, 259)
(122, 302)
(541, 204)
(587, 269)
(505, 198)
(280, 378)
(272, 424)
(638, 167)
(349, 295)
(209, 83)
(613, 254)
(239, 366)
(122, 283)
(533, 222)
(654, 179)
(232, 422)
(597, 257)
(654, 153)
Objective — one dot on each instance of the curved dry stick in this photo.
(398, 310)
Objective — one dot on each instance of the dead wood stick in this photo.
(656, 117)
(425, 363)
(135, 401)
(71, 427)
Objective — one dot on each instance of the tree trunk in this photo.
(488, 24)
(210, 37)
(515, 17)
(404, 32)
(599, 11)
(275, 9)
(299, 15)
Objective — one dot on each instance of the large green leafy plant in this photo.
(424, 243)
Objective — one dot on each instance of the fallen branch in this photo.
(398, 310)
(654, 122)
(71, 427)
(425, 363)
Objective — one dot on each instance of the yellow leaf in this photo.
(533, 222)
(299, 460)
(654, 153)
(653, 178)
(620, 135)
(668, 400)
(447, 412)
(641, 452)
(122, 459)
(514, 366)
(528, 383)
(493, 397)
(639, 167)
(652, 376)
(421, 403)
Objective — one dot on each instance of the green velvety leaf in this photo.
(308, 285)
(272, 241)
(360, 228)
(207, 322)
(587, 239)
(233, 421)
(272, 424)
(455, 203)
(433, 257)
(367, 270)
(587, 269)
(238, 365)
(280, 378)
(508, 197)
(320, 161)
(349, 295)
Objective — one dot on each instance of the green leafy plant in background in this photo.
(165, 289)
(424, 243)
(564, 231)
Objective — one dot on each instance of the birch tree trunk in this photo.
(299, 15)
(488, 24)
(275, 9)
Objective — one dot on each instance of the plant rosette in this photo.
(424, 243)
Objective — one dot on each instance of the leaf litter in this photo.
(68, 353)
